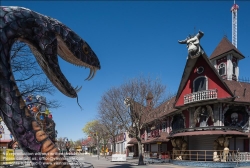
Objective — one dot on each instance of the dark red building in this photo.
(209, 113)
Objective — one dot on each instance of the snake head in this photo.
(70, 47)
(75, 51)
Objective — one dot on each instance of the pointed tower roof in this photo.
(225, 47)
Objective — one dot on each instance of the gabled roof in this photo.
(188, 69)
(240, 89)
(225, 46)
(164, 109)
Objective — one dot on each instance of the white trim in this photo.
(234, 68)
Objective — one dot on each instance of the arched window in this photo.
(234, 67)
(199, 84)
(178, 122)
(222, 69)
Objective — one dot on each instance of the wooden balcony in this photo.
(200, 96)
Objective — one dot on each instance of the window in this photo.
(234, 67)
(222, 69)
(149, 131)
(178, 122)
(200, 83)
(164, 127)
(200, 70)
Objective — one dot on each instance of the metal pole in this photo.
(97, 147)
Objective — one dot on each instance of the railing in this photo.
(197, 155)
(208, 155)
(244, 156)
(156, 157)
(201, 95)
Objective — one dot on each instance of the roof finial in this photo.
(225, 34)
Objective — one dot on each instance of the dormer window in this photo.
(234, 67)
(222, 69)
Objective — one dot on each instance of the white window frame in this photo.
(197, 79)
(221, 66)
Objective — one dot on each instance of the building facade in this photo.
(208, 115)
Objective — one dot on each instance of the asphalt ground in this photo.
(86, 161)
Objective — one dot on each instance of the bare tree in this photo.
(131, 103)
(28, 74)
(61, 143)
(106, 117)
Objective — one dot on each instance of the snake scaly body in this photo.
(46, 37)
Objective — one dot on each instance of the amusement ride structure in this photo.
(234, 10)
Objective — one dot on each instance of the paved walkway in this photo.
(87, 161)
(106, 163)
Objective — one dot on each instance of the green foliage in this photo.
(91, 128)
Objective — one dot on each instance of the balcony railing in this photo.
(208, 155)
(201, 95)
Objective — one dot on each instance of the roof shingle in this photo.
(240, 89)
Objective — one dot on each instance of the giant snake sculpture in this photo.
(46, 37)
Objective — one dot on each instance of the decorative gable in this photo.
(201, 82)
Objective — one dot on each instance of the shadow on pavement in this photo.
(120, 166)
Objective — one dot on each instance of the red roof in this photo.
(86, 141)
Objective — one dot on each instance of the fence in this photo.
(197, 155)
(156, 157)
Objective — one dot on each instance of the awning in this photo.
(130, 145)
(162, 138)
(215, 132)
(155, 140)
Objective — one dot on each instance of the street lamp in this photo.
(67, 144)
(97, 143)
(97, 146)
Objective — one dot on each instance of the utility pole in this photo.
(97, 146)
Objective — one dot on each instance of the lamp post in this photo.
(97, 146)
(65, 143)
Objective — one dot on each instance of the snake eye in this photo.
(85, 50)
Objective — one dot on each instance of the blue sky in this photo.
(133, 38)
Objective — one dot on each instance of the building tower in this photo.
(234, 10)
